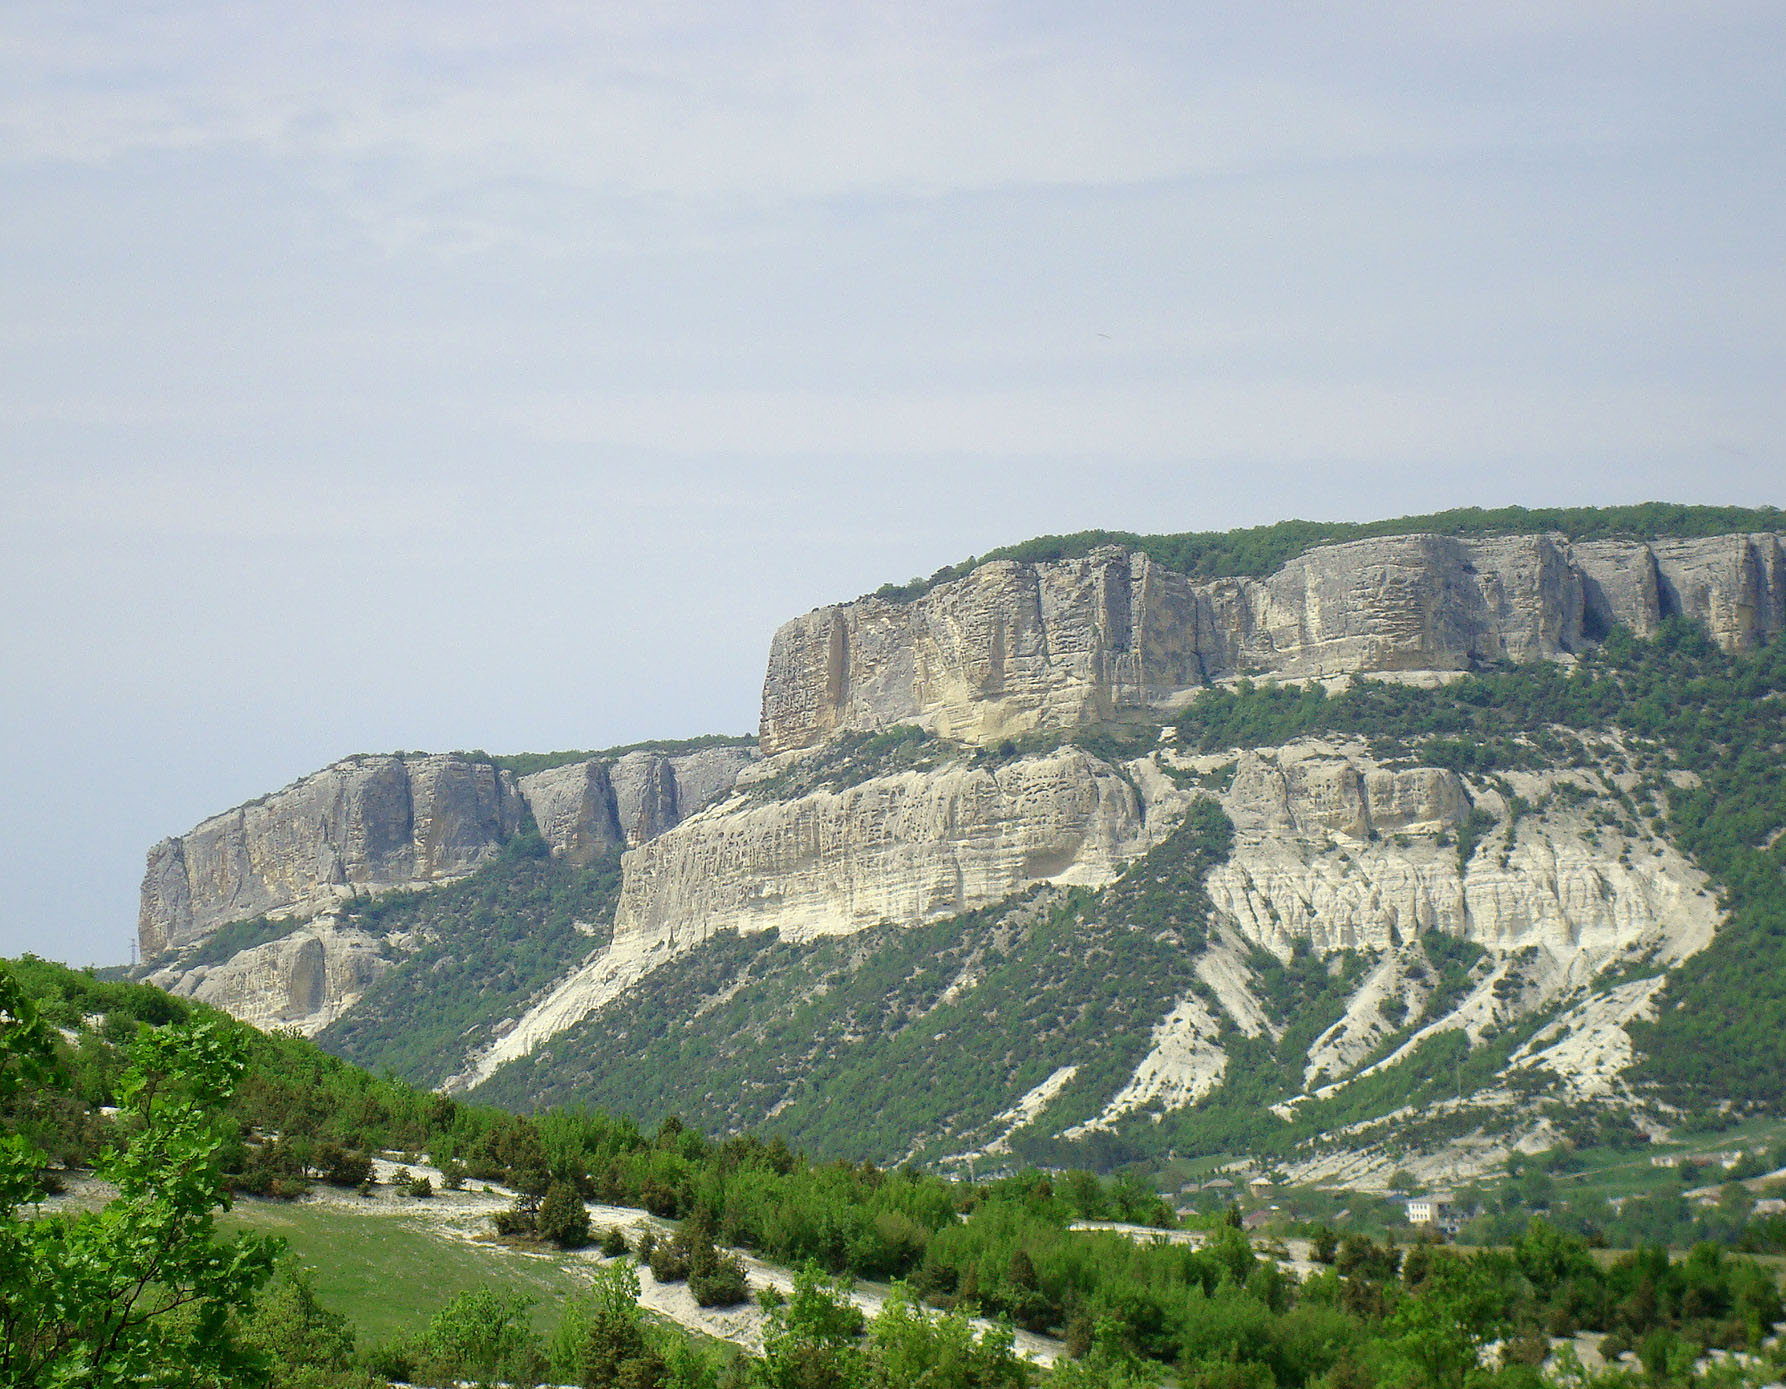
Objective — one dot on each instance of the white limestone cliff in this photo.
(304, 980)
(374, 823)
(1013, 646)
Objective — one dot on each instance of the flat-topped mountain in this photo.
(1072, 855)
(1015, 645)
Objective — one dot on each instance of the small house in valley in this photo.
(1434, 1212)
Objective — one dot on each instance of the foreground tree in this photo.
(604, 1341)
(563, 1218)
(811, 1340)
(142, 1291)
(908, 1346)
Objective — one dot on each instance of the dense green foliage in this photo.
(143, 1290)
(236, 936)
(1217, 1314)
(489, 943)
(874, 1046)
(1662, 1215)
(605, 1343)
(1260, 550)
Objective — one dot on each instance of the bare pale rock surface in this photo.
(374, 823)
(1334, 851)
(367, 822)
(305, 980)
(906, 848)
(584, 809)
(1015, 646)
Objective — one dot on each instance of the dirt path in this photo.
(465, 1216)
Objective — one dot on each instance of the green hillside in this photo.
(487, 944)
(205, 1099)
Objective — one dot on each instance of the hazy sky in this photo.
(448, 375)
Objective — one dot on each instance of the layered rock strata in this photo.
(905, 848)
(1337, 853)
(584, 809)
(304, 981)
(1334, 853)
(373, 823)
(1017, 646)
(365, 823)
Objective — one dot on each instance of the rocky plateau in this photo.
(1358, 858)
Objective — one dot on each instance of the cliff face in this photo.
(909, 847)
(906, 848)
(369, 822)
(372, 823)
(305, 980)
(1337, 853)
(585, 809)
(1016, 646)
(1333, 852)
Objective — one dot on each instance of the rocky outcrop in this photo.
(1734, 584)
(1338, 853)
(585, 809)
(305, 980)
(364, 823)
(373, 823)
(1334, 853)
(905, 848)
(1016, 646)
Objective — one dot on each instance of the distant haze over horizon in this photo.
(442, 379)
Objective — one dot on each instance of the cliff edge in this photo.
(1016, 646)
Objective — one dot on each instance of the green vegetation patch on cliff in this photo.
(1256, 551)
(899, 1039)
(232, 939)
(853, 758)
(526, 763)
(487, 944)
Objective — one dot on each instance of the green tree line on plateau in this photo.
(179, 1106)
(1256, 551)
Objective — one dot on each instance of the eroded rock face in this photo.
(372, 823)
(584, 809)
(907, 848)
(305, 980)
(1016, 646)
(1337, 853)
(1333, 852)
(1293, 793)
(368, 822)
